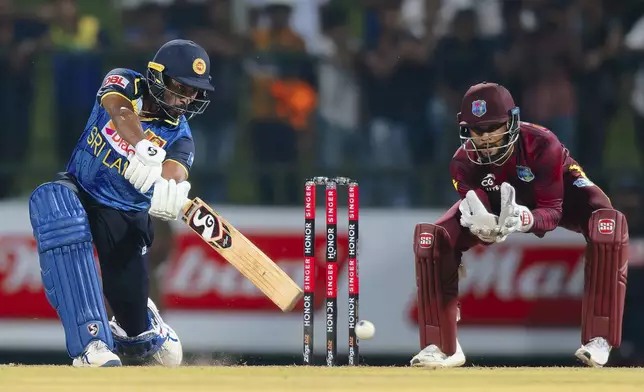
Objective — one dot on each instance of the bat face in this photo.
(242, 254)
(205, 223)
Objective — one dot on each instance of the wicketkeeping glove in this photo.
(146, 165)
(513, 217)
(476, 217)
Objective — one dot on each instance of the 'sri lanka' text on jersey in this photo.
(100, 159)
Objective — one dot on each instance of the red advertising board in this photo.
(197, 278)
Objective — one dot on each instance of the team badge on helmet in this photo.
(199, 66)
(479, 107)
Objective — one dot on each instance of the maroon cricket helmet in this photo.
(484, 106)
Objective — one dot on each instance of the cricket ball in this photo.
(365, 329)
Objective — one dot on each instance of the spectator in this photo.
(338, 110)
(634, 42)
(218, 125)
(183, 15)
(282, 101)
(388, 86)
(149, 30)
(488, 14)
(72, 31)
(76, 39)
(598, 82)
(549, 96)
(306, 19)
(462, 58)
(511, 48)
(19, 40)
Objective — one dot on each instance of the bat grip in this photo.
(186, 205)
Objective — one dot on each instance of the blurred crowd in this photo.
(365, 88)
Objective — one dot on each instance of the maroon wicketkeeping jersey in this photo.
(536, 170)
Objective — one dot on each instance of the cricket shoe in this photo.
(97, 354)
(432, 357)
(158, 344)
(171, 353)
(594, 353)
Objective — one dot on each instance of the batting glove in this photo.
(476, 217)
(146, 165)
(513, 217)
(168, 199)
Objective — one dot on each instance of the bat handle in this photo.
(186, 205)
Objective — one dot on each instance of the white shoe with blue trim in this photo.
(97, 354)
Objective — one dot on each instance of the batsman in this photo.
(516, 177)
(130, 163)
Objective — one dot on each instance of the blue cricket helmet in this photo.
(187, 63)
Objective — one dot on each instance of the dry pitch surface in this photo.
(282, 379)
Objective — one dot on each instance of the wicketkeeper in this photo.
(517, 177)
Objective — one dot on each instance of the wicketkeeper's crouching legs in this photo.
(604, 286)
(437, 250)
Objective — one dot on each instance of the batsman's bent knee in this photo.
(68, 269)
(437, 284)
(605, 276)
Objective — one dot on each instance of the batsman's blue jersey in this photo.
(99, 160)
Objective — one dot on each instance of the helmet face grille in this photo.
(157, 87)
(511, 135)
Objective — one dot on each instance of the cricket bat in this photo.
(239, 251)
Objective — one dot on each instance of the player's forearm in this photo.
(128, 126)
(545, 219)
(173, 170)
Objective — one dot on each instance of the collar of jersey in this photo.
(174, 123)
